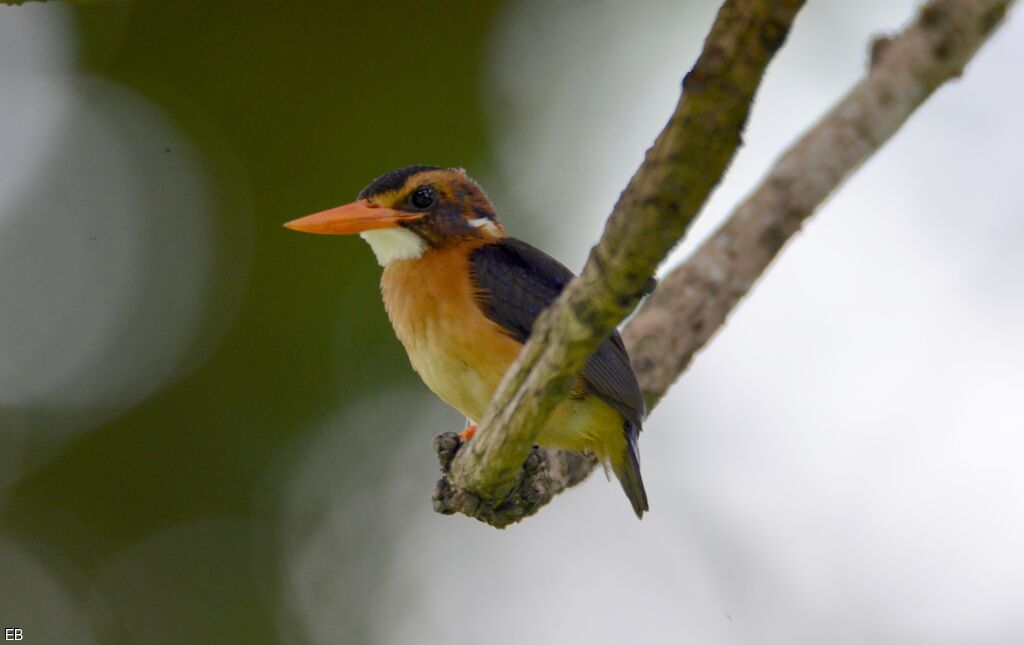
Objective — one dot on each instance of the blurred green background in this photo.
(292, 107)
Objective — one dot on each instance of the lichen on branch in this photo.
(693, 301)
(682, 167)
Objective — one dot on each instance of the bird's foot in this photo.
(448, 443)
(468, 433)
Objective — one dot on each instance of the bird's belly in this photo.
(465, 387)
(581, 423)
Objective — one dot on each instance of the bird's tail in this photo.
(628, 473)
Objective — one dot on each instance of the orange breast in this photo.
(462, 355)
(458, 352)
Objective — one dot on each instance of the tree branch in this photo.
(680, 170)
(693, 300)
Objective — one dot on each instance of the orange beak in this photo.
(351, 218)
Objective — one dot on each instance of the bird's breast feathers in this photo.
(459, 353)
(462, 354)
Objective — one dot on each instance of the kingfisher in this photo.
(463, 296)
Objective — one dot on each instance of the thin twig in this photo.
(693, 301)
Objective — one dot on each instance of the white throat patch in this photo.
(391, 244)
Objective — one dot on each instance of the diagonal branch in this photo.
(680, 170)
(693, 300)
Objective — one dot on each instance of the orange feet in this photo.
(468, 433)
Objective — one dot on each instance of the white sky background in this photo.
(843, 464)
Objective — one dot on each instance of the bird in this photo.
(463, 295)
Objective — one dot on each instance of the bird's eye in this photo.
(423, 198)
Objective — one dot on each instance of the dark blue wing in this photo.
(517, 282)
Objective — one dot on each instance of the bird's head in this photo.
(407, 212)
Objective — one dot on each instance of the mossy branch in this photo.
(680, 170)
(693, 301)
